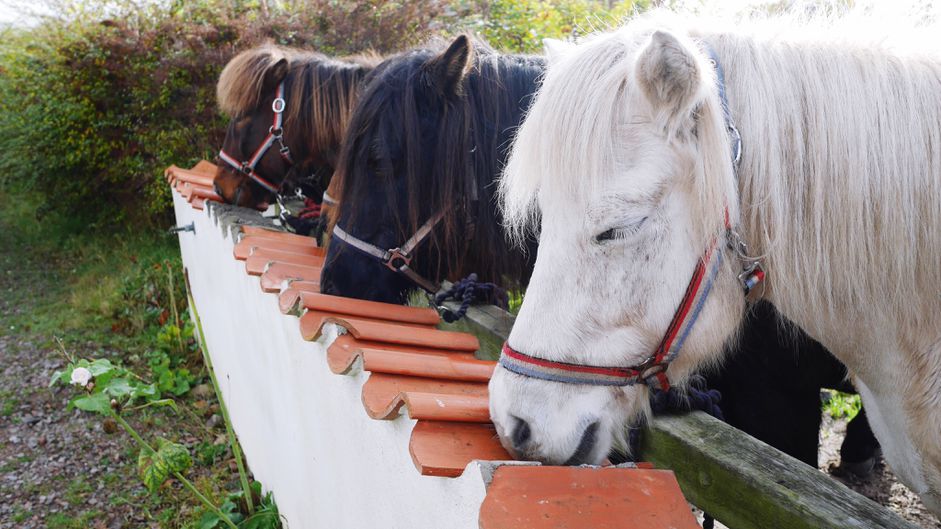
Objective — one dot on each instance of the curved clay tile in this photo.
(368, 309)
(205, 167)
(198, 203)
(245, 247)
(205, 192)
(277, 273)
(283, 236)
(539, 497)
(258, 261)
(425, 398)
(402, 360)
(388, 332)
(445, 448)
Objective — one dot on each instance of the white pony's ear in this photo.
(554, 48)
(669, 75)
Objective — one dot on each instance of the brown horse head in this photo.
(260, 154)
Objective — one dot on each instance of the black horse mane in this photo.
(472, 122)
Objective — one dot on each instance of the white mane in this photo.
(840, 180)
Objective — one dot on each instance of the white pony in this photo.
(624, 169)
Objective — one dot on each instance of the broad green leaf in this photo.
(153, 471)
(57, 377)
(209, 520)
(100, 367)
(145, 391)
(176, 456)
(117, 388)
(97, 403)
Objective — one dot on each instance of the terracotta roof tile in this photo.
(425, 398)
(403, 360)
(358, 307)
(538, 497)
(243, 249)
(290, 238)
(198, 203)
(260, 258)
(193, 190)
(181, 176)
(445, 448)
(278, 273)
(205, 167)
(290, 296)
(385, 331)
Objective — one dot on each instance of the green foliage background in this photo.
(96, 101)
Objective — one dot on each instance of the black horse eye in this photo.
(619, 233)
(607, 235)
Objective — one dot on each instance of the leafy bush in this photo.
(521, 25)
(96, 101)
(93, 109)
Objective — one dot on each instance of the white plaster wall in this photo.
(303, 429)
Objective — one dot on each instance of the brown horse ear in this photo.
(275, 74)
(447, 71)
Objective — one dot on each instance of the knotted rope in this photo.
(467, 291)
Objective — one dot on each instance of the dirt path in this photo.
(59, 469)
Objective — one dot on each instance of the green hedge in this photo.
(94, 105)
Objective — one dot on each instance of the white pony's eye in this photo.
(619, 233)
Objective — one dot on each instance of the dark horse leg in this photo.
(770, 387)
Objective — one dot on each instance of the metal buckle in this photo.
(277, 106)
(246, 169)
(395, 254)
(278, 133)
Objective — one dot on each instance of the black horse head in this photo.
(424, 147)
(318, 96)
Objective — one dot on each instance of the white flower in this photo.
(81, 376)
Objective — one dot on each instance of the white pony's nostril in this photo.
(586, 446)
(521, 434)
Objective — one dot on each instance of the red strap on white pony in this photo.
(275, 134)
(652, 370)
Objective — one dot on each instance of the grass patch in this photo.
(841, 405)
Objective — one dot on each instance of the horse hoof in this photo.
(860, 469)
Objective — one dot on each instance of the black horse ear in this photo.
(447, 71)
(275, 74)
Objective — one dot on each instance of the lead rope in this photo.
(467, 291)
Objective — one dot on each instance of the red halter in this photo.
(275, 133)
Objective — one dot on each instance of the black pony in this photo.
(415, 181)
(426, 142)
(318, 96)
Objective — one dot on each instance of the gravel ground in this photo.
(57, 467)
(881, 486)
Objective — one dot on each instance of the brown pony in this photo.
(318, 96)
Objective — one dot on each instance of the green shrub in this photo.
(96, 101)
(521, 25)
(92, 109)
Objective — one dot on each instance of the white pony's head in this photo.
(623, 169)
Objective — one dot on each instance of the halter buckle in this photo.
(277, 106)
(276, 133)
(246, 168)
(396, 254)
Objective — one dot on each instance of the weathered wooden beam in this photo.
(746, 484)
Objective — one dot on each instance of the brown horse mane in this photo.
(320, 93)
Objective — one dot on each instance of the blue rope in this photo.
(467, 291)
